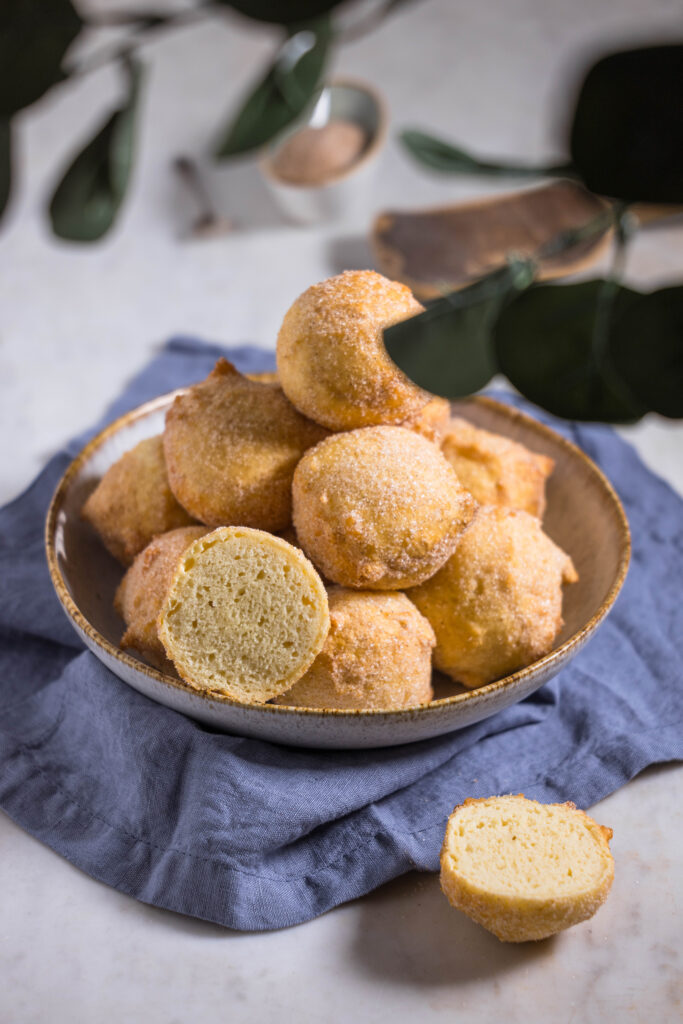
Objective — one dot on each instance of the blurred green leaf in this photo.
(34, 36)
(87, 199)
(442, 156)
(448, 349)
(281, 12)
(545, 342)
(646, 348)
(283, 94)
(5, 163)
(627, 131)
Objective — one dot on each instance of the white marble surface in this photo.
(77, 322)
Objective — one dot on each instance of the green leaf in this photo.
(546, 345)
(88, 198)
(646, 348)
(442, 156)
(5, 163)
(448, 348)
(34, 36)
(281, 12)
(627, 131)
(285, 91)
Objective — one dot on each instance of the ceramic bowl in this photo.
(346, 194)
(584, 516)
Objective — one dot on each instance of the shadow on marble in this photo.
(236, 192)
(409, 935)
(350, 252)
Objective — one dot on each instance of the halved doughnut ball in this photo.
(231, 446)
(525, 870)
(246, 614)
(331, 358)
(378, 508)
(496, 606)
(142, 591)
(378, 654)
(133, 502)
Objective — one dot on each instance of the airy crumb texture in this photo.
(496, 605)
(525, 870)
(378, 654)
(142, 591)
(133, 502)
(496, 470)
(231, 446)
(378, 508)
(331, 358)
(245, 616)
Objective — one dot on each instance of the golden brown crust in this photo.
(133, 502)
(433, 420)
(378, 508)
(231, 446)
(496, 470)
(525, 870)
(331, 358)
(142, 591)
(496, 605)
(377, 655)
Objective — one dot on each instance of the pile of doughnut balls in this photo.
(324, 536)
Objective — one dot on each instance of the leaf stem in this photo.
(623, 228)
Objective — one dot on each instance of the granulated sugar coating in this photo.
(432, 421)
(331, 358)
(231, 446)
(378, 508)
(497, 603)
(378, 654)
(133, 502)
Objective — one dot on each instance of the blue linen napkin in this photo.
(253, 835)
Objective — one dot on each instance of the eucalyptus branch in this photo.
(624, 225)
(566, 240)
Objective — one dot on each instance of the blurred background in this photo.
(209, 247)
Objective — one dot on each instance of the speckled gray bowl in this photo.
(584, 516)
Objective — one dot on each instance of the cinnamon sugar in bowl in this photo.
(321, 169)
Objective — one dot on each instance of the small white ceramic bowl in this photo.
(347, 193)
(584, 516)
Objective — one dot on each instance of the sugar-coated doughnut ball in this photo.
(246, 614)
(133, 502)
(142, 591)
(496, 605)
(433, 420)
(496, 469)
(231, 446)
(331, 358)
(378, 508)
(378, 654)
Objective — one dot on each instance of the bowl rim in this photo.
(372, 150)
(547, 662)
